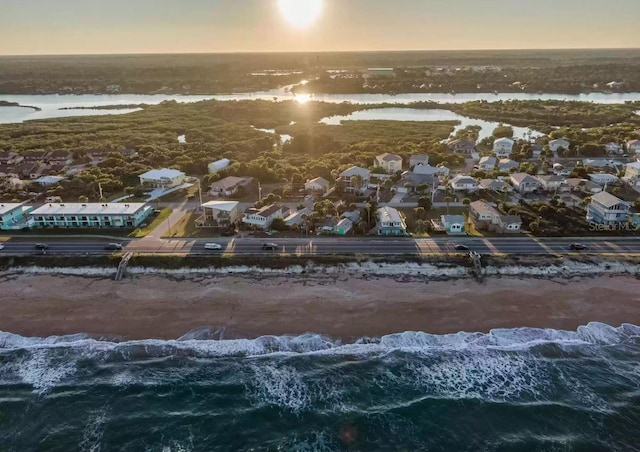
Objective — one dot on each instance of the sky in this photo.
(42, 27)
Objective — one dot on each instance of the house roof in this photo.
(7, 207)
(49, 180)
(96, 208)
(493, 184)
(320, 181)
(520, 178)
(508, 162)
(559, 140)
(220, 164)
(550, 178)
(389, 214)
(225, 206)
(427, 169)
(483, 207)
(504, 140)
(267, 211)
(345, 223)
(356, 171)
(607, 199)
(230, 182)
(164, 173)
(449, 219)
(462, 179)
(464, 142)
(488, 160)
(510, 219)
(576, 182)
(635, 165)
(419, 158)
(389, 157)
(633, 142)
(297, 215)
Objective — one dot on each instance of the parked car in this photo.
(462, 247)
(212, 246)
(578, 247)
(113, 247)
(42, 246)
(270, 247)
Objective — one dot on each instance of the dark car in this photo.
(270, 247)
(42, 246)
(113, 247)
(229, 233)
(578, 247)
(462, 247)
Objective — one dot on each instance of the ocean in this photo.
(510, 390)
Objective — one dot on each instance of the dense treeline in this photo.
(549, 70)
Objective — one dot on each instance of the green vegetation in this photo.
(186, 226)
(143, 232)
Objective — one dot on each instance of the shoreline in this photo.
(340, 305)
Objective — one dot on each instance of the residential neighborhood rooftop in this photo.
(606, 199)
(226, 206)
(89, 209)
(164, 173)
(7, 207)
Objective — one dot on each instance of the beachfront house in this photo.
(390, 163)
(14, 216)
(502, 147)
(390, 222)
(453, 224)
(263, 218)
(525, 183)
(219, 214)
(162, 178)
(486, 217)
(607, 209)
(91, 215)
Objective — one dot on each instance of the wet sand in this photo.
(167, 307)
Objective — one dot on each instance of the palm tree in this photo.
(448, 199)
(357, 182)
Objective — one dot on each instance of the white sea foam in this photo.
(281, 386)
(42, 372)
(93, 432)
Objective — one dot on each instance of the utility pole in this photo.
(199, 209)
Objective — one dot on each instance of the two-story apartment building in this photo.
(390, 222)
(219, 214)
(502, 147)
(264, 217)
(525, 183)
(350, 185)
(91, 215)
(162, 178)
(14, 216)
(389, 162)
(487, 217)
(607, 209)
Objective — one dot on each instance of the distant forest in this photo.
(551, 70)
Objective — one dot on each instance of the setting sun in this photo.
(300, 13)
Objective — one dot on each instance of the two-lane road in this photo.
(328, 245)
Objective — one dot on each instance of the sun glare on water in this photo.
(300, 13)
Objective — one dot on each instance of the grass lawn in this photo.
(186, 227)
(143, 232)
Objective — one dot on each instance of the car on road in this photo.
(461, 247)
(212, 246)
(1, 246)
(42, 246)
(578, 247)
(270, 247)
(113, 247)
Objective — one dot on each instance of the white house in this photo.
(265, 216)
(162, 178)
(389, 162)
(506, 165)
(524, 183)
(429, 170)
(486, 217)
(47, 181)
(632, 175)
(607, 209)
(556, 145)
(229, 186)
(347, 174)
(604, 178)
(613, 148)
(502, 147)
(462, 182)
(550, 182)
(633, 146)
(218, 165)
(390, 222)
(317, 185)
(487, 163)
(219, 214)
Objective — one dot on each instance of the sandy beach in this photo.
(248, 306)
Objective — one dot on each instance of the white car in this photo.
(212, 246)
(1, 246)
